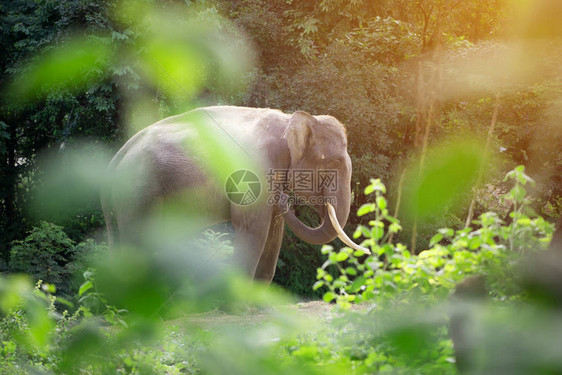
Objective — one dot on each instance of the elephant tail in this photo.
(108, 216)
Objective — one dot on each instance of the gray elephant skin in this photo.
(164, 154)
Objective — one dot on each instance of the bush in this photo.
(491, 249)
(44, 254)
(84, 255)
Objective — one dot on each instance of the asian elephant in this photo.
(277, 141)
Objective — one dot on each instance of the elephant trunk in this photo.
(316, 236)
(328, 230)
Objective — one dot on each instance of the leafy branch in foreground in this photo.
(488, 249)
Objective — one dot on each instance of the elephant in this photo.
(276, 140)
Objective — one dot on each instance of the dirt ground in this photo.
(314, 310)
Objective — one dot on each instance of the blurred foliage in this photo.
(113, 329)
(77, 69)
(68, 188)
(449, 172)
(84, 254)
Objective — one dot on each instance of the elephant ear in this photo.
(298, 133)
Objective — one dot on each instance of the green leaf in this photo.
(446, 232)
(524, 221)
(435, 239)
(394, 228)
(85, 287)
(474, 243)
(358, 253)
(49, 288)
(341, 256)
(357, 284)
(222, 155)
(339, 283)
(377, 233)
(448, 173)
(365, 209)
(377, 185)
(365, 231)
(329, 296)
(387, 249)
(318, 285)
(326, 249)
(376, 223)
(169, 56)
(518, 193)
(381, 202)
(64, 67)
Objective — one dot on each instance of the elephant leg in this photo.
(125, 228)
(268, 261)
(251, 228)
(129, 222)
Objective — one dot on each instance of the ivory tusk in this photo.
(341, 234)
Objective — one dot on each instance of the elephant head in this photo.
(319, 143)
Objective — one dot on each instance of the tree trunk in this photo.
(398, 200)
(9, 187)
(433, 90)
(470, 215)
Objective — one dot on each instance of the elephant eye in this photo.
(335, 163)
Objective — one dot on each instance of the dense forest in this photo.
(440, 99)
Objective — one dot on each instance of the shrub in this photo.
(44, 254)
(84, 255)
(296, 265)
(491, 249)
(217, 243)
